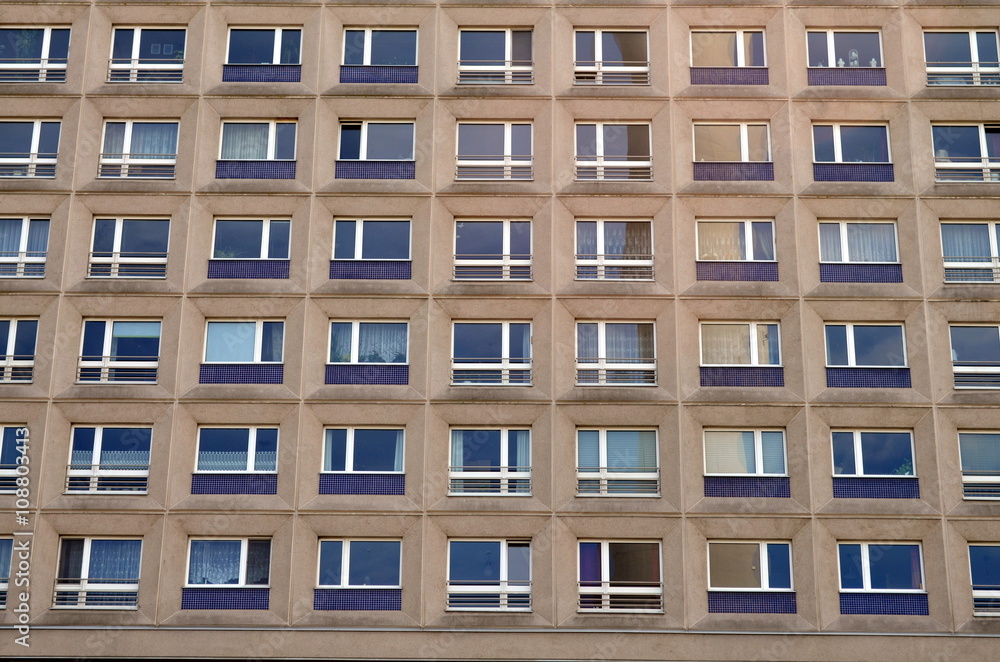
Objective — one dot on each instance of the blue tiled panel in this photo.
(846, 76)
(738, 602)
(241, 373)
(370, 270)
(747, 486)
(357, 599)
(868, 377)
(853, 172)
(861, 273)
(378, 74)
(234, 484)
(248, 268)
(876, 488)
(368, 374)
(362, 483)
(375, 170)
(901, 604)
(261, 73)
(255, 169)
(743, 376)
(760, 171)
(729, 76)
(738, 271)
(225, 598)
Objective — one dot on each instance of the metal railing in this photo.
(154, 166)
(489, 480)
(985, 269)
(610, 266)
(22, 264)
(27, 164)
(495, 72)
(477, 266)
(613, 481)
(981, 484)
(127, 264)
(28, 70)
(126, 369)
(977, 374)
(616, 371)
(620, 596)
(967, 168)
(501, 166)
(963, 73)
(491, 371)
(17, 368)
(72, 592)
(633, 167)
(500, 595)
(145, 70)
(625, 72)
(107, 478)
(986, 600)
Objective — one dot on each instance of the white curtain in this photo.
(725, 344)
(586, 342)
(729, 452)
(244, 142)
(154, 139)
(115, 559)
(114, 138)
(773, 452)
(382, 343)
(871, 242)
(627, 239)
(721, 241)
(829, 243)
(631, 450)
(966, 242)
(38, 237)
(10, 236)
(214, 562)
(629, 341)
(519, 451)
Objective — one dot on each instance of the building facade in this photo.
(431, 330)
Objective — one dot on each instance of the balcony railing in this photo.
(24, 70)
(126, 369)
(981, 484)
(72, 592)
(976, 374)
(22, 264)
(616, 371)
(614, 266)
(986, 600)
(501, 595)
(492, 267)
(963, 73)
(489, 480)
(972, 269)
(127, 264)
(621, 596)
(634, 167)
(98, 478)
(145, 70)
(495, 72)
(24, 164)
(617, 481)
(16, 368)
(491, 371)
(503, 166)
(967, 169)
(150, 166)
(627, 72)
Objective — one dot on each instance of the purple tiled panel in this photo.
(368, 374)
(225, 598)
(729, 76)
(362, 483)
(853, 172)
(898, 604)
(738, 602)
(749, 376)
(719, 171)
(861, 273)
(370, 270)
(846, 76)
(234, 483)
(375, 170)
(747, 486)
(739, 271)
(261, 73)
(358, 599)
(248, 268)
(255, 169)
(876, 488)
(868, 377)
(378, 74)
(241, 373)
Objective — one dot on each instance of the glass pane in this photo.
(871, 242)
(725, 344)
(851, 573)
(480, 140)
(762, 234)
(144, 238)
(330, 559)
(980, 453)
(24, 339)
(987, 45)
(520, 48)
(394, 47)
(266, 450)
(344, 240)
(15, 138)
(479, 47)
(6, 551)
(93, 340)
(341, 334)
(721, 241)
(753, 49)
(717, 143)
(585, 53)
(59, 45)
(244, 141)
(385, 240)
(335, 450)
(354, 47)
(480, 450)
(377, 450)
(520, 140)
(729, 452)
(350, 141)
(121, 48)
(474, 562)
(836, 344)
(125, 447)
(758, 145)
(773, 452)
(624, 49)
(971, 345)
(590, 562)
(284, 141)
(258, 561)
(115, 560)
(479, 240)
(631, 450)
(82, 452)
(230, 342)
(238, 239)
(161, 45)
(779, 565)
(272, 337)
(626, 142)
(382, 342)
(114, 139)
(843, 453)
(251, 47)
(48, 140)
(985, 565)
(818, 49)
(958, 142)
(734, 565)
(374, 563)
(70, 559)
(393, 142)
(768, 345)
(478, 343)
(520, 240)
(857, 49)
(586, 141)
(947, 49)
(278, 238)
(291, 47)
(21, 45)
(864, 144)
(588, 450)
(713, 49)
(520, 342)
(155, 140)
(518, 561)
(887, 453)
(894, 566)
(223, 449)
(823, 148)
(135, 341)
(633, 563)
(879, 345)
(214, 562)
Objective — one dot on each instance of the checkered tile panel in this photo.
(375, 170)
(747, 486)
(733, 172)
(861, 273)
(729, 76)
(368, 374)
(248, 268)
(225, 598)
(255, 169)
(362, 483)
(234, 484)
(846, 76)
(868, 378)
(378, 74)
(357, 599)
(895, 604)
(241, 373)
(743, 376)
(738, 271)
(751, 603)
(876, 488)
(261, 73)
(370, 270)
(853, 172)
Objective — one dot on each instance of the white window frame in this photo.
(830, 50)
(134, 67)
(859, 455)
(363, 146)
(244, 546)
(505, 473)
(844, 251)
(345, 564)
(740, 45)
(107, 364)
(251, 450)
(973, 370)
(758, 452)
(276, 55)
(485, 167)
(8, 473)
(359, 234)
(33, 160)
(603, 260)
(984, 169)
(95, 473)
(257, 341)
(744, 140)
(603, 363)
(7, 361)
(44, 64)
(506, 264)
(989, 595)
(505, 588)
(115, 261)
(599, 165)
(265, 236)
(504, 73)
(765, 570)
(992, 227)
(126, 160)
(866, 567)
(755, 359)
(505, 365)
(356, 340)
(606, 591)
(605, 474)
(948, 75)
(5, 573)
(83, 587)
(23, 258)
(367, 56)
(851, 352)
(748, 240)
(838, 152)
(272, 141)
(988, 478)
(349, 451)
(597, 73)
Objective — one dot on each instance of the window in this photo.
(490, 461)
(357, 239)
(620, 576)
(33, 55)
(975, 356)
(12, 440)
(727, 48)
(611, 57)
(885, 567)
(834, 48)
(864, 242)
(749, 566)
(139, 149)
(120, 351)
(98, 573)
(363, 450)
(731, 241)
(492, 250)
(24, 244)
(865, 345)
(984, 562)
(880, 453)
(129, 248)
(613, 151)
(147, 55)
(980, 453)
(237, 450)
(850, 143)
(740, 343)
(6, 555)
(238, 562)
(264, 46)
(258, 141)
(615, 353)
(380, 47)
(17, 340)
(500, 150)
(489, 575)
(617, 463)
(743, 142)
(967, 153)
(494, 57)
(368, 342)
(251, 239)
(962, 58)
(359, 563)
(970, 252)
(28, 148)
(497, 353)
(244, 342)
(745, 453)
(107, 459)
(614, 250)
(376, 141)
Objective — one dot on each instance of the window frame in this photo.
(988, 477)
(134, 66)
(363, 142)
(9, 363)
(504, 588)
(830, 46)
(866, 567)
(755, 359)
(975, 70)
(508, 266)
(345, 564)
(5, 573)
(8, 472)
(605, 591)
(366, 57)
(278, 43)
(265, 234)
(758, 452)
(359, 234)
(244, 547)
(115, 261)
(45, 62)
(107, 361)
(272, 141)
(96, 471)
(82, 588)
(851, 350)
(990, 595)
(511, 73)
(765, 575)
(605, 474)
(598, 163)
(748, 238)
(740, 46)
(511, 165)
(618, 75)
(32, 160)
(251, 450)
(505, 473)
(601, 361)
(505, 364)
(601, 260)
(257, 345)
(859, 453)
(24, 259)
(844, 244)
(838, 148)
(744, 140)
(356, 341)
(127, 158)
(988, 166)
(349, 450)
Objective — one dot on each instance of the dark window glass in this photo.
(394, 47)
(851, 572)
(251, 46)
(879, 345)
(385, 240)
(823, 144)
(975, 344)
(375, 450)
(866, 144)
